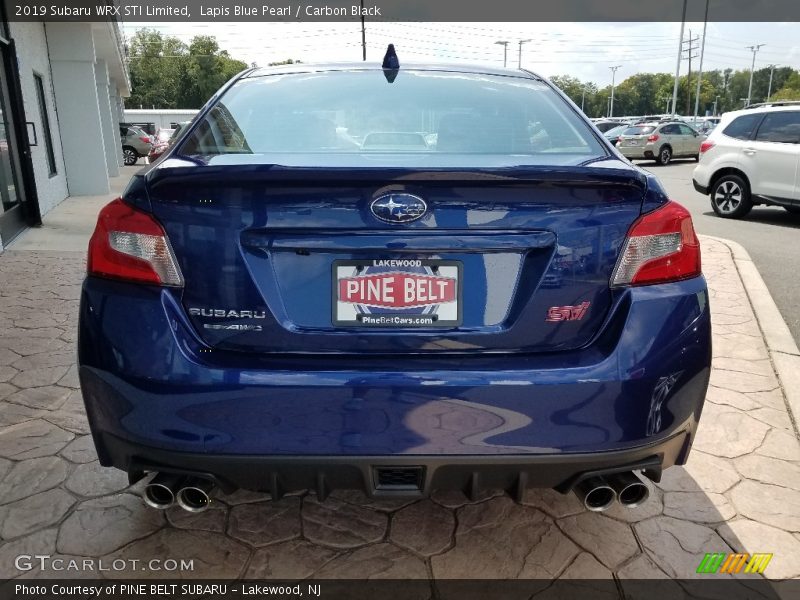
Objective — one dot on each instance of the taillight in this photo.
(706, 146)
(130, 244)
(145, 139)
(653, 138)
(661, 246)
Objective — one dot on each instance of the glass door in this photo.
(12, 215)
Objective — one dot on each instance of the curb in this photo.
(783, 351)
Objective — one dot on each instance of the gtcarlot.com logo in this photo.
(44, 562)
(722, 562)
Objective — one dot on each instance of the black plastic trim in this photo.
(470, 473)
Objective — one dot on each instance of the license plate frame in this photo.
(441, 315)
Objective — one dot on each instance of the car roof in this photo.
(753, 109)
(297, 68)
(775, 104)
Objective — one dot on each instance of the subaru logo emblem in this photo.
(398, 208)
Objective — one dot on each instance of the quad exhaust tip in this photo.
(595, 494)
(195, 495)
(631, 491)
(161, 492)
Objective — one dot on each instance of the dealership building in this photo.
(61, 91)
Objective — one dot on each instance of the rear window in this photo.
(782, 127)
(639, 130)
(422, 118)
(742, 127)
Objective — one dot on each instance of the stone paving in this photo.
(740, 490)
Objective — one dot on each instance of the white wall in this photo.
(32, 53)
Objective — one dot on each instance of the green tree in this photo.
(790, 90)
(156, 69)
(166, 73)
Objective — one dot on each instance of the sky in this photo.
(583, 50)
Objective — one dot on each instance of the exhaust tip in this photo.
(160, 492)
(196, 497)
(158, 496)
(630, 489)
(595, 494)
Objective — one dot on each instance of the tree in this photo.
(166, 73)
(790, 89)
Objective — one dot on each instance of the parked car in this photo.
(660, 141)
(604, 126)
(612, 135)
(752, 157)
(160, 143)
(163, 144)
(135, 144)
(274, 308)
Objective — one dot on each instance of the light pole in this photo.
(613, 75)
(678, 64)
(753, 49)
(700, 70)
(504, 44)
(716, 99)
(583, 97)
(363, 34)
(519, 61)
(769, 89)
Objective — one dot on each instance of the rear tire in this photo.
(730, 197)
(129, 156)
(664, 155)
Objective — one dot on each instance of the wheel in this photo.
(795, 210)
(664, 155)
(129, 156)
(730, 197)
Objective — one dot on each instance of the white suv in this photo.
(752, 157)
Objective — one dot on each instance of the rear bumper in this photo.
(703, 189)
(636, 151)
(156, 397)
(472, 474)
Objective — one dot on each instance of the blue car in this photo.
(394, 280)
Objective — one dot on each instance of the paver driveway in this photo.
(740, 491)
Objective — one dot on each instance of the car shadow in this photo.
(767, 216)
(546, 546)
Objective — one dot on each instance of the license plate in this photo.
(632, 143)
(397, 293)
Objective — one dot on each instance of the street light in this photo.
(613, 75)
(519, 61)
(769, 89)
(753, 49)
(504, 44)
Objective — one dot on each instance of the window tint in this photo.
(671, 130)
(742, 127)
(639, 130)
(342, 117)
(686, 130)
(781, 127)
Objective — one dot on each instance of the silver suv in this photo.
(660, 141)
(136, 143)
(751, 158)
